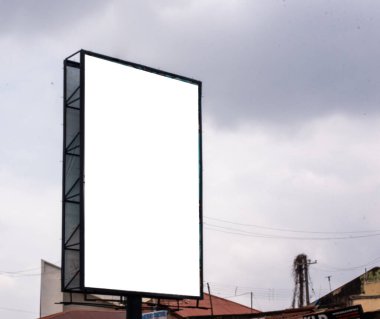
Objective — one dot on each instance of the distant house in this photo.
(57, 305)
(363, 290)
(50, 292)
(53, 300)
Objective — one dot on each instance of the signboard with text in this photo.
(354, 312)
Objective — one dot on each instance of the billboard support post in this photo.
(133, 307)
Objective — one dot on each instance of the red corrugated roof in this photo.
(220, 307)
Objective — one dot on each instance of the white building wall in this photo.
(51, 293)
(51, 297)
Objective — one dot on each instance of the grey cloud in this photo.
(299, 71)
(287, 64)
(30, 18)
(284, 62)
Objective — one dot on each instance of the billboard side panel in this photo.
(71, 179)
(200, 172)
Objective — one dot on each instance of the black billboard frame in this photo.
(79, 246)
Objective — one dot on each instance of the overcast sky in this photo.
(291, 93)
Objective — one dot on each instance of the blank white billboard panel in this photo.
(141, 181)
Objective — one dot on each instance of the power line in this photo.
(271, 293)
(18, 271)
(235, 231)
(229, 289)
(20, 275)
(291, 230)
(333, 268)
(17, 310)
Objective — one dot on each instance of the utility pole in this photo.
(209, 295)
(329, 279)
(308, 262)
(301, 280)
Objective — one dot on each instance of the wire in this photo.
(333, 268)
(17, 310)
(239, 295)
(28, 275)
(21, 275)
(240, 232)
(291, 230)
(18, 271)
(228, 291)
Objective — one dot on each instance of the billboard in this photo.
(140, 180)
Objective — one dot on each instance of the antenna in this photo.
(329, 279)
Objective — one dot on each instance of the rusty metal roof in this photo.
(220, 306)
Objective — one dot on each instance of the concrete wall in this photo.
(370, 299)
(372, 288)
(368, 304)
(51, 297)
(50, 293)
